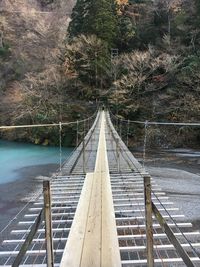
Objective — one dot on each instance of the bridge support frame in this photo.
(148, 220)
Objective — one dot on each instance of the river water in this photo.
(16, 157)
(22, 168)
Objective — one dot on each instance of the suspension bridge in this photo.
(101, 209)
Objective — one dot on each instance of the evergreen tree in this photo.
(88, 59)
(197, 5)
(103, 20)
(97, 17)
(126, 32)
(78, 17)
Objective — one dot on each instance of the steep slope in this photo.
(31, 39)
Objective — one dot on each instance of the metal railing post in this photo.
(118, 154)
(48, 224)
(77, 133)
(60, 141)
(148, 220)
(84, 129)
(91, 139)
(84, 169)
(120, 129)
(128, 128)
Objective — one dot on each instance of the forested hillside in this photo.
(33, 88)
(140, 57)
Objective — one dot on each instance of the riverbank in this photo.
(177, 172)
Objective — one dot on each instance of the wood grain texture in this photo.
(93, 239)
(73, 249)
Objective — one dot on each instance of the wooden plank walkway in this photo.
(93, 235)
(121, 184)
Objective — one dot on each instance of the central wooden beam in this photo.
(93, 238)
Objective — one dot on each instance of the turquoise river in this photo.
(15, 157)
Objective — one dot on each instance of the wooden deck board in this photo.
(74, 246)
(93, 237)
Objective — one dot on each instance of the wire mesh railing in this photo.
(83, 128)
(124, 127)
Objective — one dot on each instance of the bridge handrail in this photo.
(48, 124)
(155, 122)
(89, 135)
